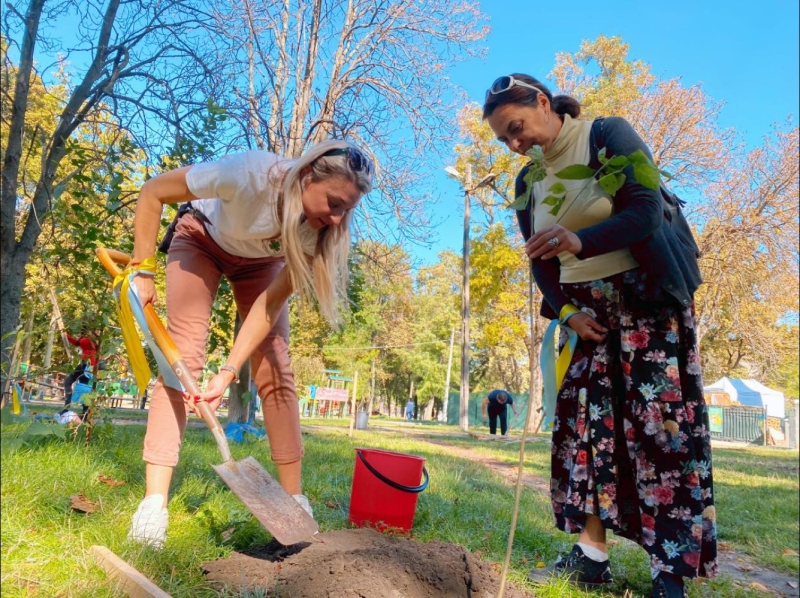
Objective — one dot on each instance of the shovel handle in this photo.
(110, 258)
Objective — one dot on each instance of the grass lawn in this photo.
(45, 544)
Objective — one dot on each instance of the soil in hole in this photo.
(360, 563)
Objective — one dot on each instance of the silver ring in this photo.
(553, 242)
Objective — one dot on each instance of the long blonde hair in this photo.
(325, 278)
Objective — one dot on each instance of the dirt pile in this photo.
(359, 563)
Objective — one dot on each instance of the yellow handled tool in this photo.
(277, 511)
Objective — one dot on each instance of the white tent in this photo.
(750, 393)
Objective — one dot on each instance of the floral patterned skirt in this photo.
(631, 442)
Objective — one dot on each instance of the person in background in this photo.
(410, 409)
(631, 448)
(495, 406)
(88, 360)
(273, 227)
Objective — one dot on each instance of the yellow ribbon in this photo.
(133, 343)
(565, 357)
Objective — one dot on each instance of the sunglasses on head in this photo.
(505, 83)
(355, 158)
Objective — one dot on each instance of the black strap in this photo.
(393, 484)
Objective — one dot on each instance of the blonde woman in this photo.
(272, 226)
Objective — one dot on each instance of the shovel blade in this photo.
(266, 499)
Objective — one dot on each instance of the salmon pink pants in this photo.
(194, 268)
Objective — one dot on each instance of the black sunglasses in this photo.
(355, 158)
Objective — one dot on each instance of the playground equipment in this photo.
(277, 511)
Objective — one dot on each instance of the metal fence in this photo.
(748, 424)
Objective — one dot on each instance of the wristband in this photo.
(567, 312)
(147, 267)
(232, 370)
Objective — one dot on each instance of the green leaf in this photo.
(611, 183)
(557, 206)
(553, 200)
(38, 428)
(535, 154)
(601, 155)
(13, 443)
(558, 188)
(617, 161)
(519, 203)
(666, 175)
(534, 174)
(646, 174)
(639, 157)
(575, 172)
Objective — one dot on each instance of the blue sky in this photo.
(743, 53)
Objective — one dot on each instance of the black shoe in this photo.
(578, 568)
(666, 585)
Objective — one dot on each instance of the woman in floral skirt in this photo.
(631, 447)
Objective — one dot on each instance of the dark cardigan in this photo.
(645, 220)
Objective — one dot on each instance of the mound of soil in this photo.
(360, 563)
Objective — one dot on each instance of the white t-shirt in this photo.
(238, 194)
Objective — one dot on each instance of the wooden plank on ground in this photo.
(132, 582)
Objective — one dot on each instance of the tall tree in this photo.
(499, 289)
(373, 71)
(139, 61)
(749, 243)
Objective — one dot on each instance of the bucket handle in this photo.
(395, 485)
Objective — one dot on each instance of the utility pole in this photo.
(488, 180)
(463, 407)
(447, 380)
(372, 389)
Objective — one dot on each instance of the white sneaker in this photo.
(303, 500)
(149, 525)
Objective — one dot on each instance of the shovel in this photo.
(265, 498)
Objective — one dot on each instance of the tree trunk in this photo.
(239, 396)
(13, 277)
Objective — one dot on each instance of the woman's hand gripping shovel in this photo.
(275, 508)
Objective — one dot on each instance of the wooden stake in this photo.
(59, 321)
(133, 583)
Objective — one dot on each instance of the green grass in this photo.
(45, 545)
(756, 489)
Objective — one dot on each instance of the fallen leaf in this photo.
(540, 565)
(109, 481)
(613, 542)
(226, 535)
(523, 560)
(80, 503)
(789, 552)
(758, 586)
(332, 504)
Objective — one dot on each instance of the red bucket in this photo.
(385, 489)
